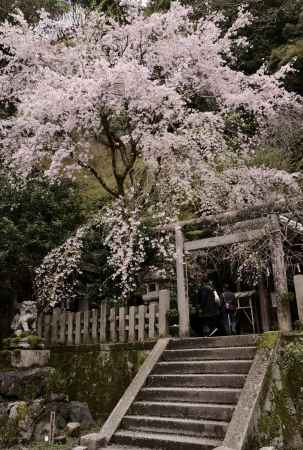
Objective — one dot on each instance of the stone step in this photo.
(205, 380)
(205, 411)
(161, 441)
(219, 353)
(210, 366)
(191, 427)
(197, 395)
(123, 447)
(217, 341)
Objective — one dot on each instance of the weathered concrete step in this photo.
(235, 380)
(210, 366)
(123, 447)
(217, 341)
(205, 411)
(197, 395)
(191, 427)
(162, 441)
(218, 353)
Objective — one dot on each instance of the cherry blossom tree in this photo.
(152, 98)
(154, 94)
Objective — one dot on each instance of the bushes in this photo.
(8, 435)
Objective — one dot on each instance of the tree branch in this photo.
(98, 178)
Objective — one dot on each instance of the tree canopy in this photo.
(160, 100)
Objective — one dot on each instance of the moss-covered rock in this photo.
(25, 340)
(26, 384)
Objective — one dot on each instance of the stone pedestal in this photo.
(26, 352)
(24, 359)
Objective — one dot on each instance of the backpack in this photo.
(207, 303)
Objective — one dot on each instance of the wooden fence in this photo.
(124, 324)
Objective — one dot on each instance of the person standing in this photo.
(208, 307)
(229, 311)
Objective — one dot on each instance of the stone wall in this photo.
(97, 375)
(80, 384)
(281, 420)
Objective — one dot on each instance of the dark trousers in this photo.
(230, 322)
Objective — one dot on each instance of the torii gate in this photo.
(231, 217)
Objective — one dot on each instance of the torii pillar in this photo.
(183, 303)
(279, 274)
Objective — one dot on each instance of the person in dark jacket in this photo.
(229, 310)
(209, 308)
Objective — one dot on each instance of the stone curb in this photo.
(244, 417)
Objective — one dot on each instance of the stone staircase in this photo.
(190, 396)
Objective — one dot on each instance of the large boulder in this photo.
(79, 412)
(25, 384)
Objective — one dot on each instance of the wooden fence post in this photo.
(70, 329)
(279, 274)
(122, 331)
(94, 326)
(298, 282)
(131, 323)
(183, 305)
(103, 322)
(86, 326)
(152, 320)
(54, 326)
(164, 305)
(78, 328)
(62, 323)
(141, 323)
(113, 324)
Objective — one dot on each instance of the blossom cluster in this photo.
(57, 278)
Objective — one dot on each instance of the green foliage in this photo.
(33, 219)
(112, 8)
(268, 340)
(173, 316)
(35, 342)
(271, 158)
(158, 5)
(30, 8)
(56, 383)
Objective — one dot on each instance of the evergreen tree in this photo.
(34, 218)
